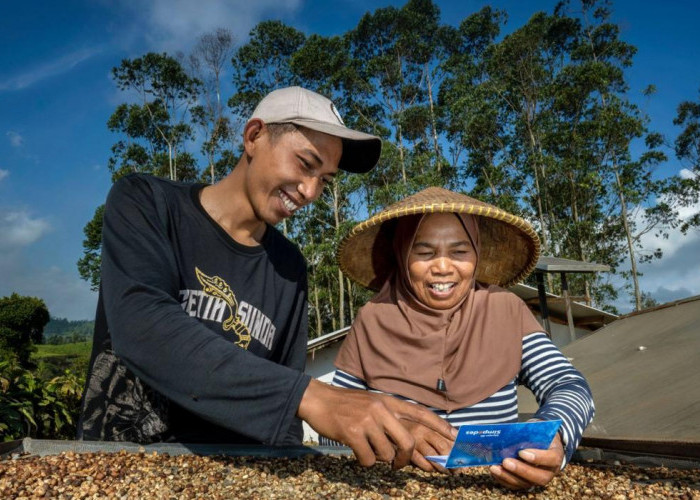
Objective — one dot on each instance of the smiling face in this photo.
(289, 171)
(441, 261)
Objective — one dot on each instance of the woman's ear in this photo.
(252, 132)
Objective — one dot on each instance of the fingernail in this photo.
(495, 470)
(509, 464)
(455, 432)
(527, 455)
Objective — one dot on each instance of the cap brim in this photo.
(361, 151)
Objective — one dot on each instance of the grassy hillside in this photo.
(80, 349)
(53, 360)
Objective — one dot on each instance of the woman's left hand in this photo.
(533, 468)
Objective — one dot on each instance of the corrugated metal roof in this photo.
(644, 371)
(584, 316)
(558, 264)
(328, 338)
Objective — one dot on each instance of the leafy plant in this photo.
(32, 407)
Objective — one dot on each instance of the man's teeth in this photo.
(442, 287)
(288, 203)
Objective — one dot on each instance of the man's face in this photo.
(290, 171)
(441, 262)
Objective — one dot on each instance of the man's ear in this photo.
(254, 129)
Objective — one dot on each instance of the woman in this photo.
(444, 333)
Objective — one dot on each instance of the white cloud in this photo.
(677, 274)
(173, 25)
(687, 174)
(675, 240)
(48, 69)
(15, 138)
(3, 174)
(19, 229)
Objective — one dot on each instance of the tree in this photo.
(640, 202)
(154, 135)
(687, 146)
(263, 64)
(539, 122)
(474, 122)
(22, 321)
(167, 94)
(206, 62)
(396, 51)
(89, 264)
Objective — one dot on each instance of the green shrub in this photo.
(32, 407)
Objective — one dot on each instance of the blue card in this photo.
(489, 444)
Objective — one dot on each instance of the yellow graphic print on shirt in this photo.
(217, 287)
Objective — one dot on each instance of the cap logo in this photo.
(337, 115)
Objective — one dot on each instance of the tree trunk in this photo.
(341, 299)
(583, 257)
(351, 302)
(330, 304)
(433, 123)
(401, 154)
(540, 209)
(630, 242)
(170, 162)
(319, 323)
(341, 282)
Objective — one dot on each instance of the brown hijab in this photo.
(446, 359)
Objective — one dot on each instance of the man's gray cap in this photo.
(311, 110)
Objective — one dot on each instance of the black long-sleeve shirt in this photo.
(197, 337)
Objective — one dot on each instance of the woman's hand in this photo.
(534, 468)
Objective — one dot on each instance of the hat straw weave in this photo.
(509, 245)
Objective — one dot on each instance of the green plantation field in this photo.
(77, 350)
(53, 360)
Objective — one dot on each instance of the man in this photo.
(201, 327)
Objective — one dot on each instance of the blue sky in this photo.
(56, 96)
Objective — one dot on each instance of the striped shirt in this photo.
(561, 392)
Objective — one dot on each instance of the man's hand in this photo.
(534, 468)
(368, 423)
(428, 442)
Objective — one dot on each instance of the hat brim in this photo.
(361, 151)
(509, 244)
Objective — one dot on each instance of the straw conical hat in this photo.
(509, 245)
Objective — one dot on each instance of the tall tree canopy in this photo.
(538, 120)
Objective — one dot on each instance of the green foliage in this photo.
(63, 326)
(54, 360)
(89, 263)
(263, 64)
(687, 147)
(22, 321)
(63, 331)
(32, 407)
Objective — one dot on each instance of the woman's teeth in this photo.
(442, 287)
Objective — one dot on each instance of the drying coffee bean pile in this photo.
(149, 475)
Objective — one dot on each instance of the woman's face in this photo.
(441, 261)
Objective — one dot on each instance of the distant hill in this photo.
(61, 331)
